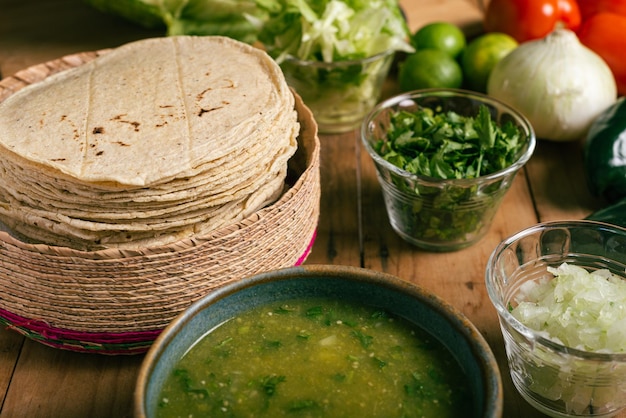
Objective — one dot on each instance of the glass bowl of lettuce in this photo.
(445, 158)
(339, 93)
(335, 54)
(559, 289)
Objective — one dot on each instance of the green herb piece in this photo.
(418, 387)
(365, 340)
(270, 383)
(224, 342)
(283, 309)
(315, 311)
(352, 358)
(301, 405)
(272, 344)
(433, 143)
(380, 314)
(340, 377)
(188, 385)
(303, 335)
(379, 362)
(350, 322)
(397, 352)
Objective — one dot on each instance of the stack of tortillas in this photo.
(155, 141)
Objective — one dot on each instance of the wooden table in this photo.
(37, 381)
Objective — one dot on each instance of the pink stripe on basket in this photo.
(308, 250)
(95, 342)
(102, 342)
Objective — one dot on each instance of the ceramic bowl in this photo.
(396, 296)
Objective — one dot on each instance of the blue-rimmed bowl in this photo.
(396, 296)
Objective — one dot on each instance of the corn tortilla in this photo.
(155, 141)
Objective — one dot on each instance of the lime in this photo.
(481, 55)
(444, 36)
(429, 68)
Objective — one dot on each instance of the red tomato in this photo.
(604, 33)
(591, 7)
(570, 15)
(525, 20)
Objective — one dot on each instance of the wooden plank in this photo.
(10, 347)
(50, 29)
(51, 383)
(338, 230)
(558, 179)
(465, 13)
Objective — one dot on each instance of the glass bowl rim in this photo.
(342, 63)
(447, 92)
(539, 336)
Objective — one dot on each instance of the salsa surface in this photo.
(316, 358)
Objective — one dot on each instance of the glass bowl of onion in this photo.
(559, 289)
(445, 158)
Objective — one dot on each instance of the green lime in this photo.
(481, 55)
(428, 68)
(444, 36)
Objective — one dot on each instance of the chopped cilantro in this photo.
(433, 143)
(270, 344)
(365, 340)
(442, 144)
(269, 384)
(314, 311)
(283, 309)
(301, 405)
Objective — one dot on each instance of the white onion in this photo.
(560, 85)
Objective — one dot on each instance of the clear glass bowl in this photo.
(438, 214)
(341, 93)
(557, 380)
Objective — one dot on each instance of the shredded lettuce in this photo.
(238, 19)
(333, 30)
(322, 29)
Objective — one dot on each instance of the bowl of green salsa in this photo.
(320, 341)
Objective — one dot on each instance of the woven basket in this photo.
(117, 302)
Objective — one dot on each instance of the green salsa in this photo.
(316, 358)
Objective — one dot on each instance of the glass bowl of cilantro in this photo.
(559, 289)
(445, 158)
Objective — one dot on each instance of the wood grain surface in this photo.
(37, 381)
